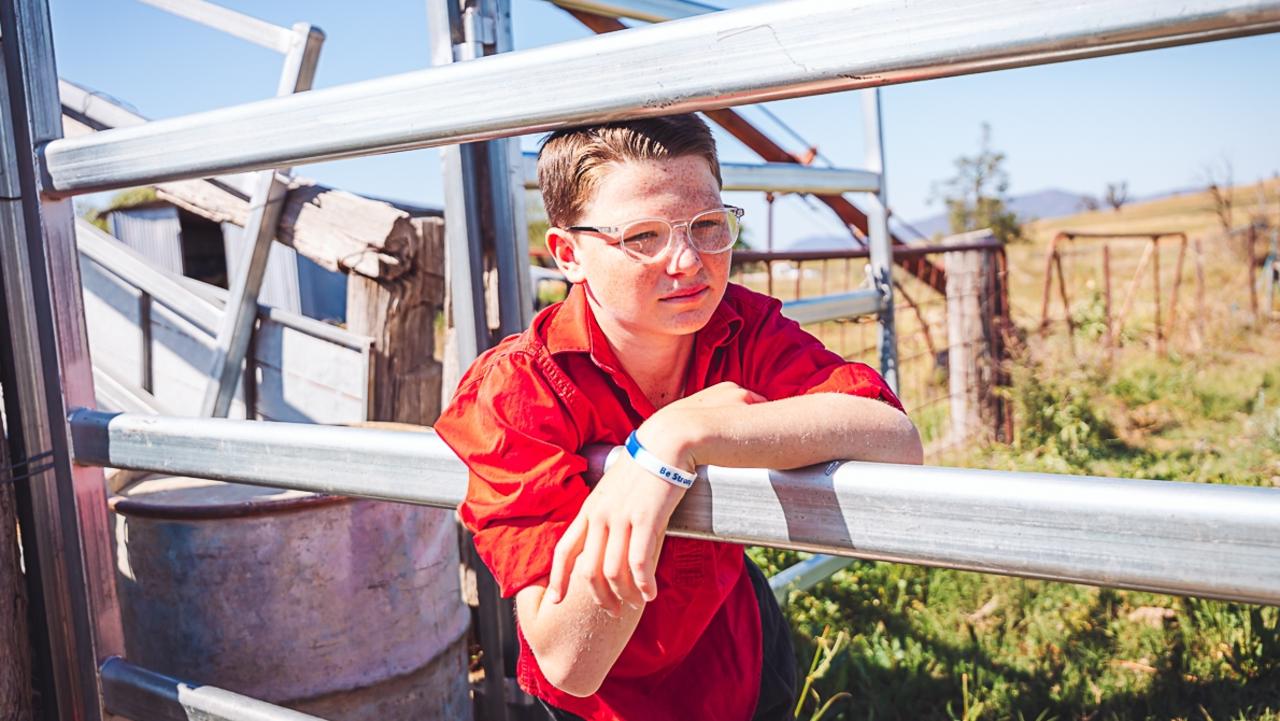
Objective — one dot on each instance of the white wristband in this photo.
(656, 466)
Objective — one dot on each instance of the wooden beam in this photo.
(338, 230)
(971, 359)
(399, 314)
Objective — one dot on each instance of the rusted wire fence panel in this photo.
(1148, 290)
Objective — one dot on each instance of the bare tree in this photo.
(1117, 194)
(1090, 203)
(1219, 177)
(977, 196)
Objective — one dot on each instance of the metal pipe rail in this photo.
(718, 60)
(793, 178)
(817, 309)
(131, 691)
(246, 28)
(900, 251)
(767, 177)
(806, 574)
(1170, 537)
(867, 301)
(652, 11)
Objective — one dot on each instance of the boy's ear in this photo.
(563, 250)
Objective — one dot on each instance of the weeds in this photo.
(827, 650)
(925, 644)
(1058, 418)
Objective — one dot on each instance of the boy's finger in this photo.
(641, 559)
(588, 568)
(562, 560)
(615, 568)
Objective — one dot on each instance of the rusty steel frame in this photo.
(1150, 256)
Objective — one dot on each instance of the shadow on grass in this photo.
(894, 670)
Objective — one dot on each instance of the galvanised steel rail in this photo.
(806, 574)
(258, 32)
(1214, 541)
(767, 177)
(793, 178)
(853, 304)
(723, 59)
(652, 11)
(134, 692)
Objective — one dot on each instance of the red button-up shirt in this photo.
(519, 419)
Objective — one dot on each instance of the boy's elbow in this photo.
(910, 448)
(570, 676)
(914, 453)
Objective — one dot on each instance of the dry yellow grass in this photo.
(1191, 213)
(1191, 327)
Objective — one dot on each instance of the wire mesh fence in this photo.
(951, 345)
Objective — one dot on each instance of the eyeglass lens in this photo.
(713, 231)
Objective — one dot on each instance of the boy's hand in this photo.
(613, 544)
(719, 395)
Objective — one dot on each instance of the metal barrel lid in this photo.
(185, 498)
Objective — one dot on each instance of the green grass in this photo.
(939, 644)
(924, 643)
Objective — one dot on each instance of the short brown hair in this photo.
(571, 160)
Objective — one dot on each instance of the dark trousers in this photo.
(778, 686)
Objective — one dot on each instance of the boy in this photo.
(616, 621)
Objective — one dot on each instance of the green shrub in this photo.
(1057, 417)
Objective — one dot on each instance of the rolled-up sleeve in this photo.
(520, 444)
(784, 360)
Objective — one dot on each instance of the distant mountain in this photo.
(1033, 206)
(1051, 203)
(822, 242)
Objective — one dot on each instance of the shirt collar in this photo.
(572, 328)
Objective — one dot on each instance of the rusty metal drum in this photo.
(346, 609)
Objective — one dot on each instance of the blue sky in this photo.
(1153, 119)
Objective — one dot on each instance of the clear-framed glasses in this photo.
(648, 239)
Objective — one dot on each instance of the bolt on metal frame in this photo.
(1161, 536)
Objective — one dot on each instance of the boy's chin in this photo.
(688, 322)
(666, 324)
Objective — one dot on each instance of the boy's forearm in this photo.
(575, 641)
(794, 432)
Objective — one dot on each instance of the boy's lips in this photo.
(687, 293)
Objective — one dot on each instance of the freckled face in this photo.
(674, 296)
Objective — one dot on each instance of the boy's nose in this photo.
(684, 257)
